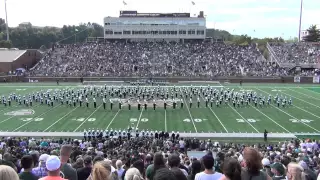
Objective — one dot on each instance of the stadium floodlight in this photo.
(301, 5)
(7, 26)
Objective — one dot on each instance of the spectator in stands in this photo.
(84, 173)
(266, 167)
(295, 172)
(164, 174)
(278, 171)
(7, 160)
(231, 170)
(195, 168)
(78, 164)
(69, 172)
(252, 162)
(309, 173)
(174, 163)
(27, 165)
(101, 171)
(53, 165)
(209, 172)
(8, 173)
(158, 163)
(41, 170)
(133, 174)
(119, 168)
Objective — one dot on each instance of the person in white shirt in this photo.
(209, 173)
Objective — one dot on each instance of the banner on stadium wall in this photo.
(316, 79)
(296, 79)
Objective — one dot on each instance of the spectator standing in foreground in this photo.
(295, 172)
(27, 165)
(69, 172)
(231, 169)
(158, 163)
(174, 162)
(195, 169)
(120, 170)
(84, 173)
(53, 165)
(266, 167)
(164, 174)
(209, 173)
(41, 170)
(133, 174)
(278, 171)
(8, 173)
(7, 160)
(253, 165)
(101, 171)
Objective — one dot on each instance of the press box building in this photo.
(135, 26)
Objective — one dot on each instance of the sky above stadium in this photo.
(257, 18)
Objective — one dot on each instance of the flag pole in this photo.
(7, 26)
(300, 20)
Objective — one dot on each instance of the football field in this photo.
(303, 116)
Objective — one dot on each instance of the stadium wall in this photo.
(289, 79)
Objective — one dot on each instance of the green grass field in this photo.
(302, 117)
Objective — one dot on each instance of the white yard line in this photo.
(310, 90)
(114, 117)
(216, 117)
(187, 105)
(37, 117)
(87, 118)
(300, 99)
(268, 117)
(139, 118)
(165, 121)
(307, 111)
(243, 118)
(7, 119)
(60, 119)
(303, 94)
(288, 113)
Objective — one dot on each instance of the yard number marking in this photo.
(82, 119)
(30, 119)
(195, 120)
(300, 120)
(136, 119)
(249, 120)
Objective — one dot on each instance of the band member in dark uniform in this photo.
(265, 134)
(154, 105)
(139, 105)
(120, 105)
(94, 103)
(164, 104)
(145, 104)
(104, 103)
(174, 104)
(129, 105)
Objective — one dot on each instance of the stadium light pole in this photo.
(301, 4)
(7, 26)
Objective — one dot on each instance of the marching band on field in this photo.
(141, 97)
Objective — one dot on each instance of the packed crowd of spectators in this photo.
(143, 158)
(148, 59)
(297, 52)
